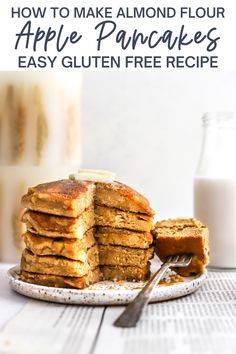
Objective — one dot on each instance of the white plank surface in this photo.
(202, 322)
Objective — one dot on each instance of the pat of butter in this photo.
(94, 176)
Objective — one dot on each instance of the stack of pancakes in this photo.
(60, 246)
(124, 220)
(78, 230)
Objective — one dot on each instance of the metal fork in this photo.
(133, 312)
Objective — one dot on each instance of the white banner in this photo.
(117, 35)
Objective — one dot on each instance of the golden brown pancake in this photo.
(59, 226)
(58, 265)
(126, 273)
(183, 236)
(123, 237)
(59, 281)
(65, 197)
(118, 195)
(121, 219)
(70, 248)
(124, 256)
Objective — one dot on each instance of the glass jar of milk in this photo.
(215, 187)
(40, 141)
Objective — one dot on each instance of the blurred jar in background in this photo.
(40, 141)
(215, 187)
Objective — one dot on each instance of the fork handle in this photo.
(131, 315)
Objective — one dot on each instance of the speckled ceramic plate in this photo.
(103, 293)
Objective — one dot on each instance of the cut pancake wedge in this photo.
(183, 236)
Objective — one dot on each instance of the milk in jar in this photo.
(215, 187)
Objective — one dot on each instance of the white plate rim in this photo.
(102, 297)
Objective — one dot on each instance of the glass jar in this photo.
(40, 141)
(215, 187)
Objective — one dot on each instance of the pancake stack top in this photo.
(74, 226)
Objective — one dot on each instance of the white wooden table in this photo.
(204, 322)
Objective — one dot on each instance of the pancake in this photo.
(123, 237)
(59, 226)
(127, 273)
(65, 197)
(116, 218)
(60, 281)
(187, 236)
(124, 256)
(58, 265)
(118, 195)
(70, 248)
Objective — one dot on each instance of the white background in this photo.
(147, 128)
